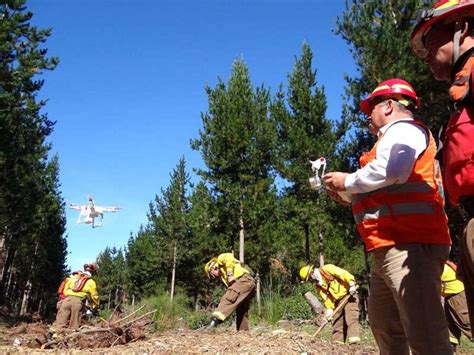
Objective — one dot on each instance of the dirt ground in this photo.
(224, 340)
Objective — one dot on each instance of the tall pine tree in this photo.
(31, 209)
(236, 144)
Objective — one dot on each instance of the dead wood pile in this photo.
(119, 329)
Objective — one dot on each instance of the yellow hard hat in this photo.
(305, 271)
(210, 265)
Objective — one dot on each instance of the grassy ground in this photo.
(176, 315)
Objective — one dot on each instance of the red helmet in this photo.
(91, 267)
(394, 88)
(444, 11)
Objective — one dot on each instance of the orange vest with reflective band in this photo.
(412, 212)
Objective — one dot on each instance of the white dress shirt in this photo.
(396, 155)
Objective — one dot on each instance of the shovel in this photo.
(339, 308)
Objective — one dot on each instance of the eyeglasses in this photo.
(376, 102)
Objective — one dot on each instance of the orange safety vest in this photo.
(412, 212)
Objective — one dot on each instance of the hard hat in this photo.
(210, 265)
(444, 11)
(305, 272)
(91, 267)
(398, 89)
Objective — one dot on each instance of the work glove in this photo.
(352, 289)
(329, 313)
(230, 278)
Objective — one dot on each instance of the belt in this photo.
(465, 208)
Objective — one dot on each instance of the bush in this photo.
(169, 315)
(275, 306)
(272, 305)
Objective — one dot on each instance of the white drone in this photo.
(316, 165)
(90, 211)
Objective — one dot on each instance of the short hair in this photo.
(405, 109)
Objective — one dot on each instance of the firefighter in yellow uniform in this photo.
(240, 289)
(455, 305)
(332, 284)
(78, 287)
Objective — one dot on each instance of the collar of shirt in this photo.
(383, 129)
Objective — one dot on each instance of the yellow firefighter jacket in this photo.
(334, 284)
(89, 288)
(229, 265)
(450, 285)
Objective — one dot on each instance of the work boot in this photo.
(214, 322)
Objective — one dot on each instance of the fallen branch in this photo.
(141, 317)
(128, 316)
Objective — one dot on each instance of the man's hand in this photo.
(353, 289)
(230, 279)
(335, 181)
(335, 196)
(329, 313)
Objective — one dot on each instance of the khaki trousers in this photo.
(346, 324)
(455, 308)
(405, 311)
(69, 314)
(237, 298)
(466, 267)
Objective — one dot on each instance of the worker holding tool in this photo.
(240, 289)
(77, 288)
(444, 38)
(338, 291)
(455, 305)
(398, 205)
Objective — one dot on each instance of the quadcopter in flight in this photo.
(90, 211)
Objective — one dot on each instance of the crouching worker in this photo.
(333, 284)
(77, 288)
(455, 305)
(240, 289)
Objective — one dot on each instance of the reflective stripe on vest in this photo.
(396, 209)
(408, 187)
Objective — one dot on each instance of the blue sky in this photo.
(129, 90)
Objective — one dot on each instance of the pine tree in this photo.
(379, 33)
(111, 276)
(30, 205)
(305, 133)
(169, 220)
(236, 144)
(144, 263)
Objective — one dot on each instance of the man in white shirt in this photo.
(398, 205)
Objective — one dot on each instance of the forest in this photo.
(253, 197)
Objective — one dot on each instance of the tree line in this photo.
(32, 220)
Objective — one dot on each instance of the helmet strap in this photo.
(457, 40)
